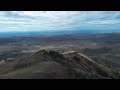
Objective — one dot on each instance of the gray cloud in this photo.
(57, 19)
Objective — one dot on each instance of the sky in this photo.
(58, 20)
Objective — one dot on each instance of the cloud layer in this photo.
(58, 20)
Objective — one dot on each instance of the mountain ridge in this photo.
(54, 65)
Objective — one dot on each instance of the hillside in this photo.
(53, 65)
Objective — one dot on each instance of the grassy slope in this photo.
(45, 65)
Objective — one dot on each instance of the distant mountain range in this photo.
(53, 32)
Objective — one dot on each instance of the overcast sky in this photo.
(58, 20)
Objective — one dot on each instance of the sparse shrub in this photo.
(76, 58)
(56, 54)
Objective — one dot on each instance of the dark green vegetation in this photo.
(71, 56)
